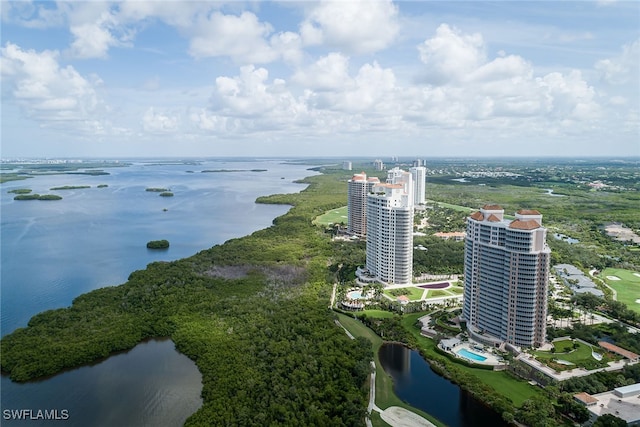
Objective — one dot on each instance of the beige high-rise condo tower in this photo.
(358, 189)
(506, 276)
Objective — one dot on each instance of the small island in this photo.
(70, 187)
(37, 197)
(156, 189)
(102, 186)
(158, 244)
(20, 191)
(166, 194)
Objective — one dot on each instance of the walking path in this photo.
(345, 329)
(395, 416)
(333, 295)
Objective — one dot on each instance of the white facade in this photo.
(419, 176)
(347, 165)
(506, 276)
(404, 178)
(390, 233)
(378, 165)
(359, 186)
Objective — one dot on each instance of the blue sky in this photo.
(323, 78)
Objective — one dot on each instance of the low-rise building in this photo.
(622, 402)
(631, 356)
(574, 279)
(458, 236)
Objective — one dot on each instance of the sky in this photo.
(320, 78)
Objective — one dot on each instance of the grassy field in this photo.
(454, 207)
(412, 293)
(627, 288)
(580, 357)
(563, 346)
(334, 216)
(434, 293)
(376, 314)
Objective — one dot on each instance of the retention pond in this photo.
(419, 386)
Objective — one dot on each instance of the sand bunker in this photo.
(636, 274)
(400, 417)
(638, 301)
(613, 278)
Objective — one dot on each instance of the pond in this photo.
(416, 384)
(150, 385)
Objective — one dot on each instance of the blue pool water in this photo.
(470, 355)
(355, 295)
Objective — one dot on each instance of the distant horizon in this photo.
(202, 79)
(385, 159)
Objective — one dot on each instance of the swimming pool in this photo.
(470, 355)
(354, 295)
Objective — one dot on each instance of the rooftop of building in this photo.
(585, 398)
(450, 234)
(492, 208)
(632, 389)
(528, 212)
(610, 402)
(524, 224)
(618, 350)
(478, 216)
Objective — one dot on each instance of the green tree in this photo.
(608, 420)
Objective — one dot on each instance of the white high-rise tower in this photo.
(419, 175)
(390, 230)
(506, 269)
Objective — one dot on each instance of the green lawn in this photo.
(433, 293)
(377, 314)
(412, 293)
(563, 346)
(456, 290)
(627, 288)
(580, 357)
(334, 216)
(454, 207)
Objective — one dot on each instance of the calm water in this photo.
(416, 384)
(53, 251)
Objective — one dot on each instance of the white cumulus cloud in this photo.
(241, 37)
(160, 122)
(355, 26)
(47, 91)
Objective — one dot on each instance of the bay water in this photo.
(53, 251)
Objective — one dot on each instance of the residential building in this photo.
(506, 277)
(359, 186)
(347, 165)
(390, 230)
(402, 177)
(576, 280)
(419, 175)
(378, 165)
